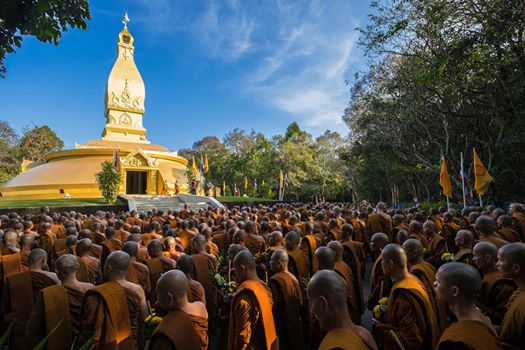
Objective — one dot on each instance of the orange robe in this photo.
(309, 244)
(468, 335)
(495, 294)
(380, 222)
(512, 330)
(212, 248)
(519, 224)
(344, 271)
(19, 295)
(411, 316)
(380, 284)
(287, 304)
(110, 315)
(251, 319)
(298, 265)
(11, 264)
(185, 238)
(343, 338)
(436, 247)
(464, 255)
(254, 243)
(498, 242)
(354, 257)
(426, 273)
(175, 331)
(157, 266)
(196, 292)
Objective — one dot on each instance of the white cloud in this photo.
(293, 55)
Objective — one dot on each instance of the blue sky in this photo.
(209, 67)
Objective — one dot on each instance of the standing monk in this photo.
(186, 324)
(20, 293)
(195, 289)
(485, 227)
(113, 312)
(204, 268)
(495, 290)
(511, 262)
(449, 230)
(380, 221)
(309, 243)
(89, 269)
(411, 320)
(287, 303)
(380, 284)
(253, 241)
(327, 295)
(457, 284)
(60, 302)
(157, 264)
(437, 245)
(518, 215)
(138, 272)
(251, 319)
(298, 261)
(464, 240)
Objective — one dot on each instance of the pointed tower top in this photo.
(125, 19)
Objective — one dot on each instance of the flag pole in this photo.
(463, 182)
(480, 201)
(448, 203)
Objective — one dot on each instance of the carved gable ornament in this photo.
(137, 159)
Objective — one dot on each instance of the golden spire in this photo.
(125, 94)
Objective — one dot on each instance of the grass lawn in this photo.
(231, 199)
(62, 202)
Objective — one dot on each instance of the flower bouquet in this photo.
(150, 323)
(447, 257)
(380, 310)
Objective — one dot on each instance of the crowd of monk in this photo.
(440, 279)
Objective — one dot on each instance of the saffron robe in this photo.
(157, 266)
(343, 338)
(204, 270)
(175, 331)
(89, 270)
(495, 294)
(138, 273)
(468, 335)
(512, 330)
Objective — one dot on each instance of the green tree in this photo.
(9, 160)
(44, 19)
(109, 181)
(38, 141)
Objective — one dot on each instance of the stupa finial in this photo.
(125, 19)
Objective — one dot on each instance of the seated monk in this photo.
(327, 295)
(195, 289)
(111, 244)
(457, 284)
(204, 268)
(171, 246)
(253, 241)
(138, 272)
(70, 246)
(380, 284)
(142, 255)
(287, 303)
(275, 242)
(411, 320)
(464, 240)
(511, 262)
(426, 273)
(437, 245)
(298, 262)
(347, 274)
(186, 324)
(19, 295)
(152, 233)
(10, 263)
(505, 229)
(89, 269)
(113, 312)
(251, 319)
(60, 302)
(98, 235)
(495, 290)
(157, 264)
(185, 234)
(120, 233)
(485, 227)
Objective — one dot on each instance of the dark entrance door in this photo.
(136, 182)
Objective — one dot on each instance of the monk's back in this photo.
(512, 329)
(474, 335)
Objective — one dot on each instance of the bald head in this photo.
(246, 259)
(172, 289)
(325, 257)
(464, 238)
(413, 249)
(131, 248)
(379, 238)
(395, 253)
(118, 262)
(327, 284)
(280, 255)
(199, 242)
(460, 279)
(155, 248)
(337, 248)
(512, 261)
(37, 256)
(485, 225)
(291, 240)
(185, 264)
(486, 248)
(66, 265)
(83, 246)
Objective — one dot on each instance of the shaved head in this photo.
(466, 236)
(413, 244)
(83, 246)
(246, 259)
(329, 285)
(514, 253)
(37, 255)
(326, 258)
(463, 276)
(173, 281)
(485, 224)
(118, 261)
(486, 248)
(66, 265)
(132, 248)
(185, 264)
(337, 247)
(281, 255)
(154, 248)
(395, 253)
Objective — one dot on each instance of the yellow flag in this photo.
(482, 176)
(194, 168)
(444, 179)
(206, 166)
(281, 179)
(245, 183)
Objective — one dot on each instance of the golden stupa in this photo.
(146, 169)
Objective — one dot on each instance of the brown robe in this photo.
(411, 316)
(254, 243)
(110, 315)
(11, 264)
(380, 285)
(298, 265)
(157, 266)
(495, 294)
(346, 273)
(287, 304)
(464, 255)
(468, 335)
(519, 224)
(498, 242)
(175, 331)
(19, 295)
(512, 330)
(309, 244)
(221, 240)
(138, 273)
(508, 234)
(380, 222)
(196, 292)
(426, 273)
(448, 232)
(203, 270)
(354, 257)
(436, 247)
(89, 270)
(251, 318)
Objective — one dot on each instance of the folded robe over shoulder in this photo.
(474, 335)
